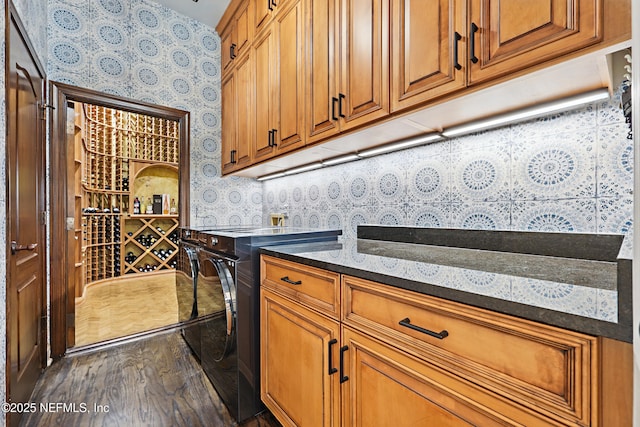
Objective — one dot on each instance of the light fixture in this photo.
(529, 113)
(304, 168)
(340, 159)
(400, 145)
(271, 176)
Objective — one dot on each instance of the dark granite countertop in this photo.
(581, 291)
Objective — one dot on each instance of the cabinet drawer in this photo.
(546, 369)
(318, 289)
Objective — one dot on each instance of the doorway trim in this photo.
(62, 238)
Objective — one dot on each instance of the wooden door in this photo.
(264, 69)
(25, 221)
(262, 13)
(298, 349)
(289, 78)
(229, 137)
(364, 83)
(427, 50)
(243, 115)
(322, 54)
(389, 388)
(509, 35)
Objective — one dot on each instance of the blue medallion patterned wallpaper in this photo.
(144, 51)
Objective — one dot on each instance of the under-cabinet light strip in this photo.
(529, 113)
(501, 120)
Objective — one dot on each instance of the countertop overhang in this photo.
(495, 270)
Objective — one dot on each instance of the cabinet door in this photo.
(427, 50)
(262, 10)
(264, 54)
(322, 73)
(296, 344)
(508, 35)
(228, 137)
(388, 388)
(243, 30)
(364, 83)
(226, 57)
(289, 73)
(244, 117)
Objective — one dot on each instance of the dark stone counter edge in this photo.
(595, 247)
(622, 331)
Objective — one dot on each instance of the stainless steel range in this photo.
(218, 292)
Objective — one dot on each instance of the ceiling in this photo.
(208, 12)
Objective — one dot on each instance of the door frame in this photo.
(62, 238)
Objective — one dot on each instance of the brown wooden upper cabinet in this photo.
(237, 88)
(322, 67)
(348, 53)
(428, 50)
(236, 38)
(509, 35)
(237, 126)
(279, 83)
(436, 51)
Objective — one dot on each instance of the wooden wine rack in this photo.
(113, 144)
(160, 233)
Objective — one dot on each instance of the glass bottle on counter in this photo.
(136, 206)
(174, 209)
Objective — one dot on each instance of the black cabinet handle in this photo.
(273, 137)
(291, 282)
(270, 140)
(341, 96)
(233, 156)
(232, 51)
(343, 378)
(332, 370)
(334, 101)
(270, 5)
(456, 38)
(273, 2)
(440, 335)
(472, 42)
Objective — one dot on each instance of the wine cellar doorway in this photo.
(126, 171)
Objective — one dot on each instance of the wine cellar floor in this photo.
(125, 306)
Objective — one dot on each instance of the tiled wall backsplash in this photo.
(571, 172)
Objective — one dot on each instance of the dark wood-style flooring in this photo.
(153, 381)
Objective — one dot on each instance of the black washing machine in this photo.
(226, 328)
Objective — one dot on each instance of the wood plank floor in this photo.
(131, 304)
(154, 381)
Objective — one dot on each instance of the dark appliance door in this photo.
(218, 332)
(187, 273)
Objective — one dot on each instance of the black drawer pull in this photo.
(332, 370)
(440, 335)
(341, 96)
(343, 378)
(286, 279)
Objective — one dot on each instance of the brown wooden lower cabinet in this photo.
(295, 382)
(366, 369)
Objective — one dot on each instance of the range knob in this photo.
(214, 241)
